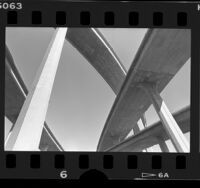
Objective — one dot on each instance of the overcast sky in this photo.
(81, 99)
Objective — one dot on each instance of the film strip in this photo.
(170, 26)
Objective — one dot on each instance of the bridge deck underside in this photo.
(162, 53)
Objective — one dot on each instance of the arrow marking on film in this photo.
(145, 175)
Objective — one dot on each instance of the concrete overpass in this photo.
(153, 134)
(92, 45)
(162, 53)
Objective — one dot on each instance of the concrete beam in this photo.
(169, 124)
(152, 134)
(27, 131)
(48, 141)
(144, 122)
(15, 94)
(98, 52)
(94, 47)
(162, 53)
(163, 145)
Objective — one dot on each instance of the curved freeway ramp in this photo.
(162, 53)
(94, 47)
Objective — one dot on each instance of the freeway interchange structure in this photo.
(160, 56)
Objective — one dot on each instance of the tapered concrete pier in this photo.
(27, 131)
(168, 121)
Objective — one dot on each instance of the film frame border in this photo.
(114, 165)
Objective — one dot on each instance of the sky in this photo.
(81, 100)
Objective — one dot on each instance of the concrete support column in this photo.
(169, 123)
(144, 122)
(136, 129)
(162, 144)
(28, 128)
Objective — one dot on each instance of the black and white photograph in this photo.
(97, 89)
